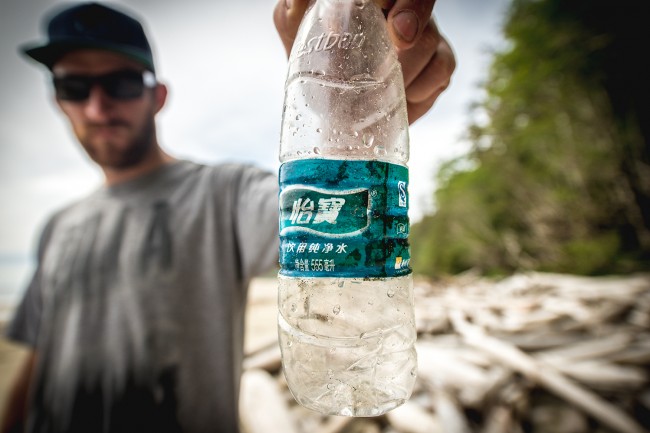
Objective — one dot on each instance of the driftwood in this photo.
(532, 353)
(272, 416)
(413, 418)
(544, 374)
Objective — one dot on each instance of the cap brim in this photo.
(50, 53)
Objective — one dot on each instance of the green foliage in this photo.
(554, 180)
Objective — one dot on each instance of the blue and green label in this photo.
(343, 219)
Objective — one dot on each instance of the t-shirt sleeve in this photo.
(257, 221)
(24, 327)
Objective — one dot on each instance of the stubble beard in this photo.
(107, 155)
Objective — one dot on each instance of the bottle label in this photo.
(343, 219)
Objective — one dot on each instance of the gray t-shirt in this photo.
(136, 309)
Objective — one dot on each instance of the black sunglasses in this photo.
(122, 84)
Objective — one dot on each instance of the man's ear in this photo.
(160, 95)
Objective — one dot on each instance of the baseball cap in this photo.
(92, 25)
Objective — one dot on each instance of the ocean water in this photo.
(15, 271)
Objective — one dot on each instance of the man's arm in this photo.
(15, 410)
(428, 61)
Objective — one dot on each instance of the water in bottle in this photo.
(346, 321)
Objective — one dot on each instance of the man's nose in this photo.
(98, 104)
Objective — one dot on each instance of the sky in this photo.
(225, 67)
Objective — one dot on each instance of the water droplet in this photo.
(390, 293)
(368, 140)
(317, 150)
(380, 151)
(336, 309)
(331, 386)
(319, 130)
(330, 373)
(414, 372)
(289, 343)
(371, 302)
(341, 283)
(294, 307)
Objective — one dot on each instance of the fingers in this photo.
(427, 60)
(287, 16)
(407, 19)
(427, 68)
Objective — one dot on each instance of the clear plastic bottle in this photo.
(346, 321)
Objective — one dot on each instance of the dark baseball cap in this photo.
(91, 25)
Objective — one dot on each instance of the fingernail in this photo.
(405, 24)
(287, 4)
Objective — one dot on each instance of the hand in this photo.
(427, 60)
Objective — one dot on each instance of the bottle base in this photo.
(352, 410)
(348, 344)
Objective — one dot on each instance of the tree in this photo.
(558, 178)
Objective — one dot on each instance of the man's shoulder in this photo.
(236, 168)
(239, 173)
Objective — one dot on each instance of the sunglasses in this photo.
(122, 85)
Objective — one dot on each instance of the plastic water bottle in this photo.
(346, 321)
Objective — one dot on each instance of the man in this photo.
(134, 315)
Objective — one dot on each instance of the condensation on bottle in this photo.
(346, 321)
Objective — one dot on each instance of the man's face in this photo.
(116, 132)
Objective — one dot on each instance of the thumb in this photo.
(407, 20)
(287, 16)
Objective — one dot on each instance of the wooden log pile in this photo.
(536, 352)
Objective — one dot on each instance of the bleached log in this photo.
(558, 418)
(449, 413)
(638, 354)
(542, 339)
(588, 349)
(609, 287)
(568, 307)
(443, 368)
(430, 316)
(602, 375)
(412, 418)
(263, 408)
(546, 376)
(576, 287)
(268, 359)
(514, 321)
(499, 420)
(334, 424)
